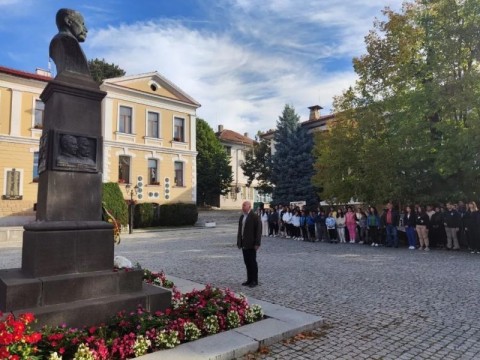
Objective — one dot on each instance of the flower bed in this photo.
(128, 335)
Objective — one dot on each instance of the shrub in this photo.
(114, 202)
(144, 215)
(178, 214)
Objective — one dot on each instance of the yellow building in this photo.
(149, 139)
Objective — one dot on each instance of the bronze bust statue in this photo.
(65, 49)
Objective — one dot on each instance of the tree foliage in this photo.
(409, 128)
(292, 162)
(101, 70)
(214, 173)
(258, 166)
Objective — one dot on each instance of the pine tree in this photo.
(292, 162)
(102, 70)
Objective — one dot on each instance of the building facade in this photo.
(236, 145)
(149, 131)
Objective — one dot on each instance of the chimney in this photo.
(245, 134)
(43, 72)
(220, 128)
(314, 112)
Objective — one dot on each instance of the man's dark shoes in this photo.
(246, 283)
(253, 284)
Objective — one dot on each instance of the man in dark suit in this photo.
(248, 239)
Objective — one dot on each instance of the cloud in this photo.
(262, 57)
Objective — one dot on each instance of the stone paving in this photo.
(378, 303)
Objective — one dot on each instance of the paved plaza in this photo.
(377, 303)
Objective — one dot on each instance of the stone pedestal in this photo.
(67, 272)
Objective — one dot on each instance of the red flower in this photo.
(27, 318)
(4, 353)
(33, 338)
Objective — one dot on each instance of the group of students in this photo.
(424, 227)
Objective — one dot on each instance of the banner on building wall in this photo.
(298, 203)
(13, 186)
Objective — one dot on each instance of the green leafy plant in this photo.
(114, 202)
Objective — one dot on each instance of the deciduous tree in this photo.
(214, 174)
(409, 129)
(258, 166)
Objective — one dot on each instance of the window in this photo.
(39, 113)
(228, 150)
(178, 173)
(179, 129)
(233, 192)
(152, 172)
(35, 166)
(125, 120)
(152, 124)
(124, 169)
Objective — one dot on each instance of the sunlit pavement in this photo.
(377, 303)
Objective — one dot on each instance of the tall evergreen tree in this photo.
(214, 173)
(292, 162)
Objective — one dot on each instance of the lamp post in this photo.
(131, 205)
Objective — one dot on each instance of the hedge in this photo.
(145, 215)
(114, 202)
(178, 214)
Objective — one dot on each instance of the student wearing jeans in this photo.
(409, 221)
(330, 223)
(390, 218)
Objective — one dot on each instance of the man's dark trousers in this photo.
(250, 259)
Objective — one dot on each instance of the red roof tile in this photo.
(24, 74)
(234, 137)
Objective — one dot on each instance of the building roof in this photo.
(24, 74)
(309, 124)
(182, 95)
(234, 137)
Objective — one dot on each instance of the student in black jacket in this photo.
(436, 231)
(409, 223)
(452, 222)
(422, 222)
(471, 221)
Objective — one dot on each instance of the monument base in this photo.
(67, 277)
(66, 247)
(79, 299)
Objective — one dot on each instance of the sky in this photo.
(242, 60)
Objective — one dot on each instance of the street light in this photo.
(131, 205)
